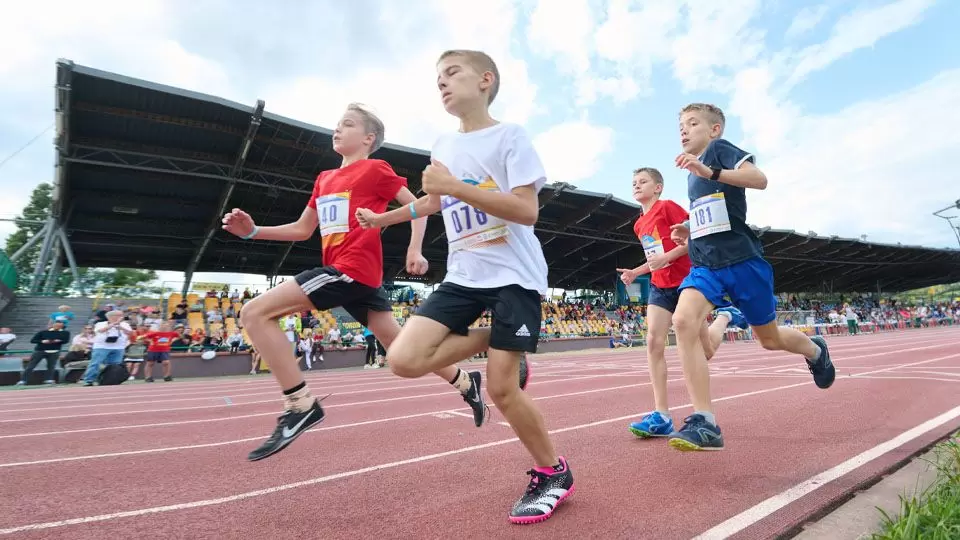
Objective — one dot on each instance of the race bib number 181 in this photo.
(333, 213)
(708, 215)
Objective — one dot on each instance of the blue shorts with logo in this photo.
(746, 285)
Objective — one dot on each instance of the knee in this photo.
(686, 324)
(500, 392)
(656, 345)
(770, 343)
(403, 364)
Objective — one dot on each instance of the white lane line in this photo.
(342, 475)
(763, 509)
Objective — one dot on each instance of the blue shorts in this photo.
(747, 285)
(665, 298)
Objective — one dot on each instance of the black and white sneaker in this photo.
(289, 426)
(474, 398)
(544, 493)
(524, 371)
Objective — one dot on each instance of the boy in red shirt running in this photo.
(668, 265)
(351, 276)
(158, 350)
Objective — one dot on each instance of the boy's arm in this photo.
(677, 252)
(241, 224)
(422, 207)
(520, 205)
(747, 176)
(418, 226)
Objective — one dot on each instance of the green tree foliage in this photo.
(118, 283)
(38, 209)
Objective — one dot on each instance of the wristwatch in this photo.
(716, 173)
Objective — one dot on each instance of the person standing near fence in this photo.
(49, 343)
(111, 338)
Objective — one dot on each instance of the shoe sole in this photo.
(529, 520)
(686, 446)
(287, 443)
(646, 434)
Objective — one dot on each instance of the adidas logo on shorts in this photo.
(523, 332)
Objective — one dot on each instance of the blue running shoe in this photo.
(697, 434)
(824, 373)
(736, 317)
(652, 425)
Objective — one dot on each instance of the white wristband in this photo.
(256, 229)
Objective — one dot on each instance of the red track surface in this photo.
(400, 458)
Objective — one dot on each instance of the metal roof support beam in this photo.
(44, 257)
(589, 262)
(255, 119)
(281, 260)
(71, 260)
(558, 188)
(584, 213)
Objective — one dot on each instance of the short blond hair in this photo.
(654, 174)
(481, 62)
(713, 113)
(371, 122)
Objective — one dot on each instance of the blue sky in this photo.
(850, 106)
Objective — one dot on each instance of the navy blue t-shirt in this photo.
(725, 248)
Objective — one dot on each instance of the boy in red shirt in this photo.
(668, 265)
(158, 350)
(351, 276)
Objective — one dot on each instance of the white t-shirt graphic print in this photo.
(485, 251)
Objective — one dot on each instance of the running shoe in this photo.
(824, 373)
(652, 425)
(697, 434)
(736, 317)
(544, 493)
(524, 371)
(474, 398)
(290, 425)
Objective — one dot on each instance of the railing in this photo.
(8, 272)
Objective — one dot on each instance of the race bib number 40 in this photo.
(708, 215)
(468, 227)
(333, 213)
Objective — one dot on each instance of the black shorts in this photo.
(665, 298)
(327, 288)
(158, 356)
(516, 313)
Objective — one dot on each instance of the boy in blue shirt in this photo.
(728, 268)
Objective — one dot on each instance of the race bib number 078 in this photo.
(467, 226)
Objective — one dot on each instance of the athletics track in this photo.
(400, 458)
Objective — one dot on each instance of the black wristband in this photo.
(716, 173)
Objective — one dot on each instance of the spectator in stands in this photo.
(183, 340)
(179, 312)
(6, 338)
(63, 314)
(333, 336)
(101, 315)
(371, 341)
(246, 293)
(214, 316)
(305, 347)
(111, 338)
(852, 326)
(49, 343)
(135, 352)
(215, 340)
(82, 344)
(235, 340)
(235, 296)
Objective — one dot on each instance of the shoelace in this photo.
(537, 481)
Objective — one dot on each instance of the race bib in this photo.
(333, 213)
(468, 227)
(708, 215)
(652, 246)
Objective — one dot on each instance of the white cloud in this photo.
(873, 168)
(806, 20)
(859, 29)
(573, 151)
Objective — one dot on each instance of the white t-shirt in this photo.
(485, 251)
(100, 338)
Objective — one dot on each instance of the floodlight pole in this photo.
(949, 219)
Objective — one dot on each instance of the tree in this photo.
(37, 211)
(118, 282)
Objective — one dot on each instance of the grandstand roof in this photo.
(147, 170)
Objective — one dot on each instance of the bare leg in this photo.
(517, 407)
(688, 319)
(658, 324)
(711, 336)
(774, 338)
(426, 346)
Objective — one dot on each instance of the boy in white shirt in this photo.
(488, 197)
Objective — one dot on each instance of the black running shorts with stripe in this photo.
(327, 288)
(515, 311)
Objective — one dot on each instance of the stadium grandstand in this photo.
(144, 173)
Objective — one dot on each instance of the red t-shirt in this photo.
(160, 341)
(653, 230)
(351, 249)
